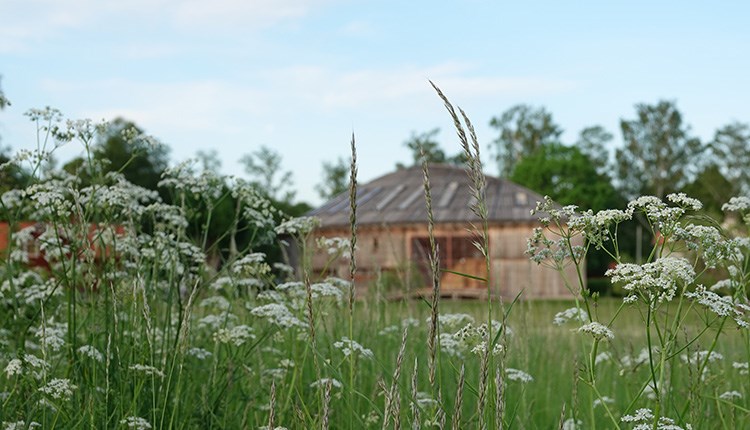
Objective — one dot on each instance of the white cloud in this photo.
(194, 105)
(329, 89)
(28, 22)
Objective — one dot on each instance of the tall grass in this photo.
(128, 327)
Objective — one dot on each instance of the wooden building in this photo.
(393, 245)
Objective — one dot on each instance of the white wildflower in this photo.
(659, 279)
(602, 357)
(570, 314)
(147, 370)
(453, 320)
(279, 314)
(136, 423)
(218, 302)
(14, 368)
(52, 335)
(737, 204)
(236, 335)
(274, 373)
(214, 322)
(598, 330)
(199, 353)
(742, 367)
(298, 226)
(324, 381)
(518, 375)
(681, 199)
(60, 389)
(349, 347)
(603, 400)
(641, 415)
(424, 400)
(334, 245)
(730, 395)
(91, 352)
(572, 424)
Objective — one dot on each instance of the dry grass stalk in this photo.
(272, 408)
(561, 422)
(311, 318)
(326, 404)
(352, 223)
(396, 410)
(391, 394)
(499, 398)
(440, 414)
(434, 268)
(483, 380)
(456, 421)
(477, 189)
(415, 423)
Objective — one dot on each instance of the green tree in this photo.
(712, 188)
(592, 142)
(264, 168)
(658, 151)
(335, 179)
(4, 102)
(123, 147)
(427, 144)
(568, 176)
(523, 129)
(209, 160)
(731, 149)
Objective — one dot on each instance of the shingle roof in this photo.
(398, 198)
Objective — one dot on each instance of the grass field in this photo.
(127, 326)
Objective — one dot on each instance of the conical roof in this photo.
(398, 198)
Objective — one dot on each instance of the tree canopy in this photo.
(658, 151)
(566, 175)
(335, 179)
(425, 145)
(523, 129)
(265, 170)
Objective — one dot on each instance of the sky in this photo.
(300, 76)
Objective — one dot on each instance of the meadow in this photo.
(129, 327)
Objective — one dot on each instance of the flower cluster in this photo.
(598, 330)
(653, 281)
(643, 419)
(349, 347)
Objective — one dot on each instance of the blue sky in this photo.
(300, 75)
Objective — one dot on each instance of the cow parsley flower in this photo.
(518, 375)
(136, 423)
(299, 227)
(14, 367)
(324, 381)
(349, 347)
(658, 280)
(199, 353)
(598, 330)
(730, 395)
(20, 425)
(742, 367)
(737, 204)
(60, 389)
(236, 335)
(277, 313)
(147, 370)
(570, 314)
(91, 352)
(682, 200)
